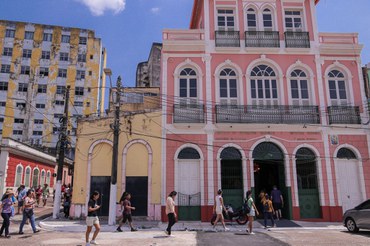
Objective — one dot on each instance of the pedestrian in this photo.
(170, 211)
(277, 201)
(252, 212)
(268, 211)
(28, 212)
(218, 207)
(66, 206)
(6, 211)
(45, 194)
(126, 213)
(38, 195)
(123, 197)
(92, 217)
(20, 197)
(262, 197)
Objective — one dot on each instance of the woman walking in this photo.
(252, 212)
(170, 211)
(218, 207)
(29, 202)
(92, 218)
(6, 212)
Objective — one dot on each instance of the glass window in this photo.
(78, 104)
(62, 73)
(47, 37)
(80, 75)
(9, 33)
(293, 21)
(40, 105)
(27, 176)
(37, 133)
(337, 88)
(18, 176)
(267, 20)
(3, 86)
(83, 40)
(42, 180)
(79, 91)
(38, 121)
(27, 53)
(59, 102)
(44, 72)
(28, 35)
(17, 132)
(188, 153)
(2, 104)
(299, 87)
(61, 90)
(65, 39)
(81, 58)
(35, 178)
(228, 87)
(25, 70)
(7, 51)
(41, 88)
(251, 20)
(264, 86)
(45, 55)
(48, 174)
(18, 121)
(5, 68)
(345, 153)
(188, 84)
(225, 20)
(63, 56)
(22, 87)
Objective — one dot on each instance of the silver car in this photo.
(358, 217)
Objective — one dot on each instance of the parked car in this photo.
(358, 217)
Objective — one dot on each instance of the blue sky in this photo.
(128, 27)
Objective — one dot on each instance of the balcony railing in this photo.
(267, 114)
(267, 39)
(188, 113)
(344, 115)
(227, 38)
(297, 40)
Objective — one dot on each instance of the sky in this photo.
(129, 27)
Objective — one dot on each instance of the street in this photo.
(155, 237)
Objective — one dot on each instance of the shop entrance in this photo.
(269, 170)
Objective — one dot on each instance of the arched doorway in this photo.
(308, 189)
(188, 183)
(232, 176)
(347, 166)
(269, 171)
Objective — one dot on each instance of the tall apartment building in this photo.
(255, 96)
(148, 73)
(37, 63)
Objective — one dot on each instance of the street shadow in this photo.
(161, 236)
(363, 233)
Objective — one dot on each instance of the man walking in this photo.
(277, 201)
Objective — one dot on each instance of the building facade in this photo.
(255, 96)
(148, 73)
(139, 157)
(37, 63)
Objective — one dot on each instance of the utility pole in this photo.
(62, 145)
(116, 130)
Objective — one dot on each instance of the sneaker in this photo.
(133, 229)
(226, 229)
(21, 233)
(166, 232)
(94, 242)
(119, 229)
(36, 231)
(252, 233)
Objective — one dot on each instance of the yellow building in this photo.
(139, 163)
(37, 63)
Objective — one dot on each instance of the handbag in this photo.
(246, 208)
(29, 212)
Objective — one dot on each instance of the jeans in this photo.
(268, 215)
(6, 223)
(171, 222)
(24, 219)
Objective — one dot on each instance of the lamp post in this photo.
(116, 130)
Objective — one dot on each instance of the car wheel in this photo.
(351, 225)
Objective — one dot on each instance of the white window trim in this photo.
(303, 16)
(15, 179)
(33, 173)
(25, 173)
(42, 183)
(228, 7)
(46, 177)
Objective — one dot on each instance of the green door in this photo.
(189, 207)
(308, 190)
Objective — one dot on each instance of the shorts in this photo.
(126, 217)
(218, 210)
(90, 221)
(20, 204)
(252, 213)
(45, 197)
(276, 205)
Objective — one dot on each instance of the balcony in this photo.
(297, 40)
(188, 113)
(344, 115)
(227, 38)
(267, 114)
(262, 39)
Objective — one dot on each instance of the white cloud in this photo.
(98, 7)
(155, 10)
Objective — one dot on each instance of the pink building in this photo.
(255, 96)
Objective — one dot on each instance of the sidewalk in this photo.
(39, 212)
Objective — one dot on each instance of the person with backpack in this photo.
(268, 211)
(126, 213)
(252, 212)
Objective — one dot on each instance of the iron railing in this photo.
(297, 39)
(267, 39)
(188, 113)
(344, 115)
(267, 114)
(227, 38)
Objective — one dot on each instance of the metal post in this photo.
(116, 129)
(62, 145)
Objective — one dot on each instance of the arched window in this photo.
(299, 88)
(345, 153)
(264, 86)
(337, 88)
(188, 153)
(188, 86)
(230, 153)
(27, 177)
(228, 87)
(35, 177)
(42, 180)
(251, 20)
(48, 174)
(267, 20)
(18, 176)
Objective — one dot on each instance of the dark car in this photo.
(358, 217)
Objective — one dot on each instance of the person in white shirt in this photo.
(170, 211)
(218, 208)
